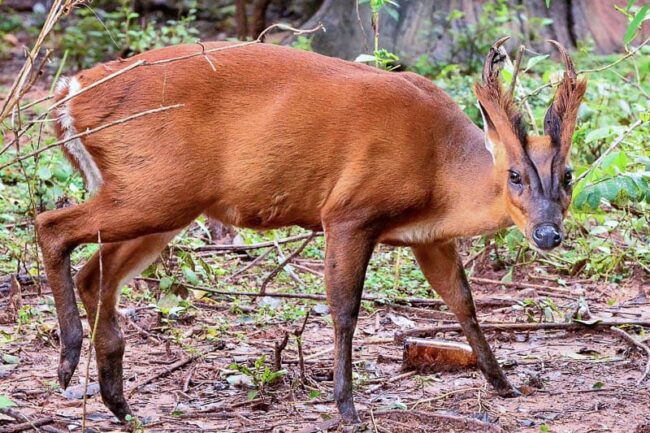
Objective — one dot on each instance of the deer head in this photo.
(534, 170)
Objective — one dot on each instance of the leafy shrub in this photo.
(121, 32)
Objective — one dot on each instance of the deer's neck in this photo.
(476, 199)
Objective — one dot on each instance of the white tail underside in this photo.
(76, 148)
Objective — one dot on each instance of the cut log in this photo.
(428, 356)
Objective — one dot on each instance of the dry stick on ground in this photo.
(281, 266)
(30, 425)
(236, 248)
(162, 373)
(571, 326)
(513, 284)
(93, 332)
(234, 277)
(635, 342)
(27, 424)
(492, 302)
(277, 352)
(301, 359)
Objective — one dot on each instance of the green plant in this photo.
(121, 32)
(261, 375)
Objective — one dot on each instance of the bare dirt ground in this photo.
(584, 381)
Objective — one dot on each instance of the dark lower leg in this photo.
(56, 260)
(346, 259)
(444, 271)
(119, 260)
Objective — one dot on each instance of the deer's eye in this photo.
(568, 177)
(515, 178)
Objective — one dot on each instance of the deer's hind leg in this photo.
(152, 211)
(120, 262)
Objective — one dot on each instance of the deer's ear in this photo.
(560, 119)
(503, 124)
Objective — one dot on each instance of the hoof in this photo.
(119, 407)
(349, 413)
(66, 370)
(510, 392)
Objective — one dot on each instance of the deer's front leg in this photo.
(444, 271)
(347, 254)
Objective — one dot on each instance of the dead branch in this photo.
(236, 248)
(569, 326)
(511, 283)
(520, 54)
(29, 425)
(25, 78)
(281, 266)
(612, 146)
(277, 352)
(627, 337)
(488, 303)
(235, 276)
(163, 373)
(301, 359)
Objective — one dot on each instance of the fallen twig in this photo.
(27, 425)
(569, 326)
(635, 342)
(512, 283)
(248, 247)
(492, 302)
(277, 352)
(284, 262)
(163, 373)
(301, 359)
(235, 276)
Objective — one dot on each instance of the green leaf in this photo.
(168, 301)
(544, 428)
(635, 24)
(6, 402)
(535, 60)
(593, 199)
(44, 173)
(597, 134)
(165, 283)
(190, 276)
(548, 3)
(598, 385)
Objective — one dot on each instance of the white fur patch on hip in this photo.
(76, 148)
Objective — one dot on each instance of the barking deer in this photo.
(268, 137)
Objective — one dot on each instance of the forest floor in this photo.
(575, 381)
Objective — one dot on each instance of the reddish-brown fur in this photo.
(274, 137)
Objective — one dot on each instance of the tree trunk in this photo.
(423, 27)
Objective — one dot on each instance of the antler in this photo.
(494, 61)
(497, 104)
(560, 119)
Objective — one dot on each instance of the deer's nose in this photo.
(547, 236)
